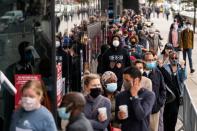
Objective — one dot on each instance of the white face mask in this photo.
(188, 26)
(29, 104)
(151, 35)
(116, 43)
(142, 71)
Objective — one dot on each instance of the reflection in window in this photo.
(25, 44)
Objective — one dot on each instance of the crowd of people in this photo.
(137, 87)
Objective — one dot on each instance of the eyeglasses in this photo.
(174, 58)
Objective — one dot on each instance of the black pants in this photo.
(170, 115)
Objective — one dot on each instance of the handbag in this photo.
(114, 128)
(170, 96)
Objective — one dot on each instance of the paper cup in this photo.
(124, 108)
(103, 111)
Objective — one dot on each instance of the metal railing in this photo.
(189, 112)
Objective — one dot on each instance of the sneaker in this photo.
(192, 71)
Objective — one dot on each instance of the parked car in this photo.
(13, 16)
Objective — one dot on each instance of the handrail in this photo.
(7, 84)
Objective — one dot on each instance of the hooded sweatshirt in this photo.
(115, 60)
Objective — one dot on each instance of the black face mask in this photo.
(95, 92)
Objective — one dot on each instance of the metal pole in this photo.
(53, 51)
(194, 21)
(81, 58)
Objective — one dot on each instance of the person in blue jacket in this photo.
(139, 102)
(32, 116)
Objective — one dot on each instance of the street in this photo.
(191, 83)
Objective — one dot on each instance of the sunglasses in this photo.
(174, 58)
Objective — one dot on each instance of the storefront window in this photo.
(25, 46)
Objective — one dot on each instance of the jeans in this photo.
(189, 54)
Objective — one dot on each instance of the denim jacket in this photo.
(181, 76)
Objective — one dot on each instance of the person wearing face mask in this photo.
(125, 38)
(94, 102)
(109, 83)
(145, 82)
(174, 75)
(99, 59)
(178, 19)
(133, 106)
(174, 36)
(71, 109)
(158, 86)
(136, 49)
(32, 116)
(143, 41)
(115, 59)
(187, 44)
(154, 42)
(164, 57)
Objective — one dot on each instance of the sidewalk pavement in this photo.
(163, 25)
(70, 23)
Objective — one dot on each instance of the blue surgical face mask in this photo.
(28, 56)
(111, 87)
(151, 65)
(174, 62)
(63, 114)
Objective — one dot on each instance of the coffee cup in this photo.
(124, 108)
(103, 111)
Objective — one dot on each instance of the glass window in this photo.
(25, 46)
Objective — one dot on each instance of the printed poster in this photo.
(20, 80)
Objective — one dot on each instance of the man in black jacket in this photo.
(159, 89)
(174, 77)
(139, 102)
(115, 59)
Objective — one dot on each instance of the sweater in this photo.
(91, 111)
(37, 120)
